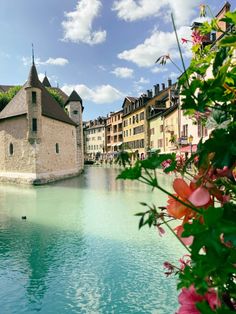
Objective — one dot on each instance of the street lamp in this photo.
(190, 140)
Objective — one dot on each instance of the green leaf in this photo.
(230, 17)
(155, 161)
(130, 173)
(229, 41)
(171, 167)
(143, 204)
(212, 215)
(204, 308)
(141, 222)
(221, 55)
(193, 229)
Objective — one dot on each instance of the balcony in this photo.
(183, 140)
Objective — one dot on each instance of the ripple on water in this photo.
(80, 250)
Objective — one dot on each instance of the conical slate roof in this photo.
(46, 82)
(33, 80)
(74, 96)
(50, 107)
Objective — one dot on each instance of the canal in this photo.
(80, 250)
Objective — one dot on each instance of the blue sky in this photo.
(104, 49)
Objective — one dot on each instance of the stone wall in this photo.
(52, 159)
(37, 162)
(14, 131)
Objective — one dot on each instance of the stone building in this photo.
(39, 142)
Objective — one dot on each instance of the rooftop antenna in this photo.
(32, 54)
(45, 73)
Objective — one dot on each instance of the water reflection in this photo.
(80, 251)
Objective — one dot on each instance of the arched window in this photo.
(11, 149)
(57, 148)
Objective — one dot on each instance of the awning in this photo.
(153, 150)
(117, 144)
(189, 149)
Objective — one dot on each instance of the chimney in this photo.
(156, 89)
(163, 86)
(221, 14)
(149, 93)
(169, 82)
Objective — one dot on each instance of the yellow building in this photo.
(163, 119)
(134, 117)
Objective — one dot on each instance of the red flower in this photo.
(198, 197)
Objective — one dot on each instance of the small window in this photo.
(75, 112)
(11, 149)
(34, 97)
(57, 148)
(34, 125)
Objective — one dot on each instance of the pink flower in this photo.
(185, 261)
(197, 38)
(161, 231)
(166, 163)
(170, 268)
(188, 298)
(179, 230)
(225, 172)
(212, 299)
(184, 41)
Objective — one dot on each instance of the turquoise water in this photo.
(80, 251)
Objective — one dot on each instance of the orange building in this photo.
(114, 130)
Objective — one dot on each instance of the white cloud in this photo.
(131, 10)
(173, 75)
(100, 94)
(5, 55)
(142, 80)
(158, 44)
(49, 61)
(56, 61)
(101, 67)
(159, 69)
(183, 10)
(41, 77)
(123, 72)
(78, 24)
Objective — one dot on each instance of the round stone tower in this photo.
(33, 89)
(74, 107)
